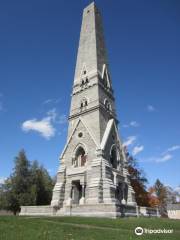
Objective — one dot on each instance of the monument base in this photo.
(90, 210)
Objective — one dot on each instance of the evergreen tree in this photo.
(42, 184)
(27, 185)
(21, 179)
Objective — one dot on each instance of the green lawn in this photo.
(78, 228)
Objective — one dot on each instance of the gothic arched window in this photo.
(80, 157)
(84, 103)
(105, 77)
(113, 157)
(107, 104)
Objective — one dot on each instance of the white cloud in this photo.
(47, 101)
(51, 100)
(137, 149)
(164, 158)
(52, 114)
(55, 117)
(44, 127)
(130, 140)
(131, 124)
(151, 108)
(134, 124)
(173, 148)
(2, 180)
(125, 126)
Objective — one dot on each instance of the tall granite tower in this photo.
(92, 179)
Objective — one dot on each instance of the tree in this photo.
(21, 179)
(29, 184)
(161, 193)
(16, 187)
(8, 200)
(153, 199)
(42, 184)
(138, 181)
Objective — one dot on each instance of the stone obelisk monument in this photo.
(92, 179)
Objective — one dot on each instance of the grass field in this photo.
(78, 228)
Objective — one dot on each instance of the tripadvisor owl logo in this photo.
(138, 231)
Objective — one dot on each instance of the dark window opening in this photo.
(113, 157)
(84, 103)
(80, 158)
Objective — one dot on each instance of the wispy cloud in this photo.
(137, 149)
(173, 148)
(151, 108)
(52, 100)
(45, 126)
(164, 158)
(60, 119)
(131, 124)
(129, 141)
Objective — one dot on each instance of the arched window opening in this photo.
(105, 82)
(80, 158)
(106, 79)
(107, 104)
(113, 157)
(84, 103)
(84, 82)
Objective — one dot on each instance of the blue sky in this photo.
(38, 46)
